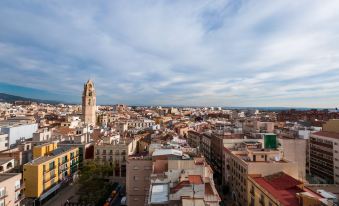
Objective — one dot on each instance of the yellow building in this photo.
(43, 175)
(42, 150)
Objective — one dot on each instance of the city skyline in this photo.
(196, 53)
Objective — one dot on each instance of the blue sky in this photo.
(194, 52)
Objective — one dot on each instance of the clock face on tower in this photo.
(89, 103)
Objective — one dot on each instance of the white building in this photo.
(3, 141)
(17, 131)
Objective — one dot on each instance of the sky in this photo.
(174, 52)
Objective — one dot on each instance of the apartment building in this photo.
(194, 139)
(282, 189)
(114, 154)
(324, 157)
(253, 158)
(4, 143)
(139, 169)
(295, 150)
(179, 179)
(256, 126)
(44, 149)
(11, 189)
(206, 147)
(16, 131)
(45, 174)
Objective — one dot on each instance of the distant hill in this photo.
(12, 98)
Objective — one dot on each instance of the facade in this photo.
(44, 135)
(295, 150)
(17, 131)
(139, 169)
(178, 179)
(89, 103)
(44, 149)
(252, 159)
(324, 157)
(217, 151)
(280, 189)
(206, 147)
(194, 139)
(3, 141)
(45, 174)
(141, 123)
(11, 189)
(114, 154)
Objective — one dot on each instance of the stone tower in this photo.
(89, 103)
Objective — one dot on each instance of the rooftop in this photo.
(4, 160)
(52, 155)
(6, 176)
(333, 135)
(195, 179)
(282, 187)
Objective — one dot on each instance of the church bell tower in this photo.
(89, 103)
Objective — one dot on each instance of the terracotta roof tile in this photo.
(195, 179)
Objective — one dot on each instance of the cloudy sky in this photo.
(222, 53)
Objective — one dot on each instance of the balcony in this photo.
(3, 196)
(20, 198)
(252, 191)
(19, 187)
(50, 170)
(261, 202)
(51, 178)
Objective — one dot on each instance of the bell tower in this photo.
(89, 103)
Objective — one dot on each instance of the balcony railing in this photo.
(50, 178)
(3, 196)
(252, 192)
(21, 197)
(50, 169)
(19, 187)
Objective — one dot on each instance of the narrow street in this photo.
(69, 192)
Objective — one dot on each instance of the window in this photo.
(17, 195)
(2, 202)
(147, 168)
(17, 184)
(2, 192)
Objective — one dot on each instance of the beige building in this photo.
(139, 169)
(252, 159)
(89, 103)
(331, 126)
(11, 189)
(295, 150)
(114, 154)
(178, 179)
(6, 164)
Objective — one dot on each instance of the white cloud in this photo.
(235, 53)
